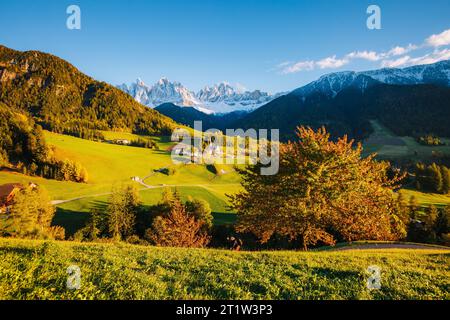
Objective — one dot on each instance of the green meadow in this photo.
(110, 164)
(38, 270)
(389, 146)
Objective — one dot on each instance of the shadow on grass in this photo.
(18, 250)
(72, 220)
(335, 274)
(221, 218)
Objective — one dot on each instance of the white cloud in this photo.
(284, 64)
(387, 58)
(331, 63)
(366, 55)
(395, 63)
(398, 51)
(436, 56)
(299, 66)
(438, 40)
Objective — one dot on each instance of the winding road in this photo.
(141, 182)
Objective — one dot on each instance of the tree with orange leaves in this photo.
(178, 228)
(324, 191)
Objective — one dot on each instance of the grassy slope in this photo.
(110, 164)
(427, 199)
(389, 146)
(37, 270)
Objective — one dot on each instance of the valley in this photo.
(110, 164)
(270, 153)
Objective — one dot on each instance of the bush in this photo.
(169, 171)
(57, 233)
(178, 229)
(179, 225)
(430, 140)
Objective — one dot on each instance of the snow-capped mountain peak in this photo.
(218, 92)
(331, 84)
(161, 92)
(219, 98)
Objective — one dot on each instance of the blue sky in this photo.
(270, 45)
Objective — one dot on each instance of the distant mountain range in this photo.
(220, 98)
(331, 84)
(187, 116)
(409, 101)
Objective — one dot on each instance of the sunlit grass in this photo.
(37, 270)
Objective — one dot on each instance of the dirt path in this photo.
(389, 246)
(146, 187)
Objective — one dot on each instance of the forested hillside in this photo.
(187, 116)
(23, 146)
(64, 100)
(406, 110)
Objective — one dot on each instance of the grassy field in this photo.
(389, 146)
(110, 164)
(427, 199)
(38, 270)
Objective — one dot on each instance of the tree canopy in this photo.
(324, 191)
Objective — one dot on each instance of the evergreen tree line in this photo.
(144, 143)
(433, 178)
(431, 225)
(62, 170)
(84, 133)
(175, 223)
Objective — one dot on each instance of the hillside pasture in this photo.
(389, 146)
(111, 165)
(38, 270)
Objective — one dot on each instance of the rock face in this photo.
(6, 75)
(220, 98)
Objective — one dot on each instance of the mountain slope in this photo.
(187, 116)
(409, 101)
(406, 110)
(331, 84)
(60, 97)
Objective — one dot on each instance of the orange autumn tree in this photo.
(324, 191)
(178, 228)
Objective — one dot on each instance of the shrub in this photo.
(177, 229)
